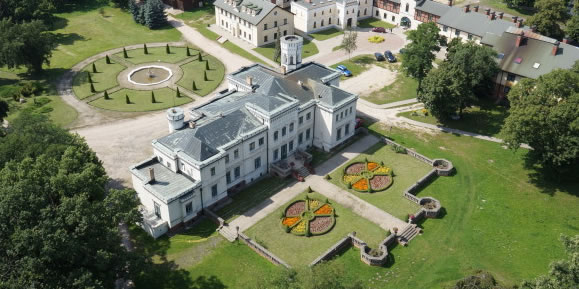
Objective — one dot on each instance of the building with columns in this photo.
(262, 124)
(316, 15)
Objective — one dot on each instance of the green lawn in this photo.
(407, 170)
(373, 22)
(301, 250)
(140, 100)
(105, 78)
(485, 118)
(357, 65)
(252, 196)
(205, 15)
(308, 49)
(326, 34)
(402, 88)
(138, 56)
(193, 71)
(500, 5)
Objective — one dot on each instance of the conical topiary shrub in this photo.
(188, 52)
(94, 70)
(89, 78)
(207, 65)
(200, 57)
(194, 86)
(167, 49)
(107, 95)
(153, 100)
(127, 100)
(178, 93)
(125, 55)
(107, 59)
(92, 90)
(205, 75)
(145, 48)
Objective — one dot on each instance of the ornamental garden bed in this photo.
(367, 176)
(308, 217)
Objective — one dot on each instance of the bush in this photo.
(167, 49)
(153, 100)
(38, 102)
(376, 39)
(107, 59)
(94, 70)
(282, 214)
(188, 52)
(145, 48)
(287, 229)
(107, 95)
(327, 177)
(399, 149)
(125, 55)
(127, 100)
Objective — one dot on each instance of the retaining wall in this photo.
(352, 240)
(261, 250)
(218, 220)
(410, 152)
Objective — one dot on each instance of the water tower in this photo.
(291, 52)
(176, 116)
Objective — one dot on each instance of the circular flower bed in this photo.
(367, 176)
(317, 219)
(376, 39)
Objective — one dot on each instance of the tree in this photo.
(349, 41)
(60, 224)
(137, 11)
(27, 10)
(562, 274)
(145, 50)
(178, 93)
(482, 280)
(205, 75)
(194, 87)
(127, 99)
(153, 100)
(440, 94)
(200, 57)
(106, 95)
(4, 108)
(550, 15)
(154, 14)
(167, 49)
(125, 55)
(123, 4)
(520, 4)
(417, 60)
(188, 51)
(94, 70)
(277, 49)
(572, 27)
(545, 115)
(25, 43)
(107, 59)
(92, 90)
(207, 64)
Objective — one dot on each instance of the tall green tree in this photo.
(549, 17)
(349, 41)
(572, 26)
(27, 10)
(4, 108)
(25, 44)
(440, 94)
(419, 55)
(563, 274)
(545, 115)
(60, 223)
(154, 11)
(482, 280)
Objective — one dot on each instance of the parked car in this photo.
(359, 122)
(379, 29)
(379, 56)
(389, 56)
(344, 70)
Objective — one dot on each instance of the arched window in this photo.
(407, 7)
(329, 21)
(314, 24)
(322, 23)
(365, 10)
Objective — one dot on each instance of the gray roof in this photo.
(473, 22)
(536, 48)
(315, 3)
(167, 185)
(432, 7)
(202, 142)
(261, 7)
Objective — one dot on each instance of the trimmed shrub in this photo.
(188, 52)
(205, 75)
(309, 189)
(92, 90)
(194, 86)
(125, 55)
(167, 49)
(107, 59)
(107, 95)
(327, 177)
(200, 57)
(178, 93)
(145, 48)
(127, 100)
(89, 78)
(207, 65)
(153, 100)
(287, 229)
(94, 70)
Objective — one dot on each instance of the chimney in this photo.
(492, 15)
(466, 8)
(515, 19)
(249, 80)
(555, 48)
(566, 40)
(519, 40)
(519, 23)
(475, 8)
(191, 124)
(501, 14)
(449, 2)
(487, 11)
(151, 175)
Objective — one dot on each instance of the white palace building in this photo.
(261, 125)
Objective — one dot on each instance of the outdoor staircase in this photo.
(408, 234)
(303, 172)
(228, 233)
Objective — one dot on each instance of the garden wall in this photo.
(352, 240)
(410, 152)
(218, 220)
(261, 250)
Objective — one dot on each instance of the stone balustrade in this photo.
(261, 250)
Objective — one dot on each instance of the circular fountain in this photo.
(149, 75)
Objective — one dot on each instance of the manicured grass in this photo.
(402, 88)
(357, 65)
(407, 170)
(326, 34)
(204, 14)
(138, 56)
(373, 22)
(500, 5)
(105, 78)
(308, 49)
(338, 47)
(251, 196)
(485, 118)
(193, 71)
(140, 100)
(301, 250)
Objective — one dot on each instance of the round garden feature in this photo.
(308, 217)
(367, 176)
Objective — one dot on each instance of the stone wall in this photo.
(261, 250)
(409, 152)
(352, 240)
(341, 245)
(213, 217)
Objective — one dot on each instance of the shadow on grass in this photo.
(68, 39)
(550, 180)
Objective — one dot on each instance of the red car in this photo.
(359, 122)
(379, 29)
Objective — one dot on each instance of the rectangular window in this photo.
(291, 145)
(227, 159)
(275, 154)
(510, 77)
(252, 146)
(236, 153)
(275, 36)
(261, 141)
(189, 208)
(214, 191)
(275, 135)
(342, 114)
(301, 138)
(308, 133)
(212, 171)
(283, 130)
(301, 120)
(157, 209)
(265, 26)
(457, 32)
(339, 135)
(350, 109)
(284, 21)
(274, 23)
(257, 163)
(393, 18)
(308, 116)
(444, 28)
(237, 172)
(469, 36)
(347, 131)
(291, 127)
(228, 177)
(337, 117)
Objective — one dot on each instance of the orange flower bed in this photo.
(324, 210)
(372, 166)
(361, 185)
(290, 221)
